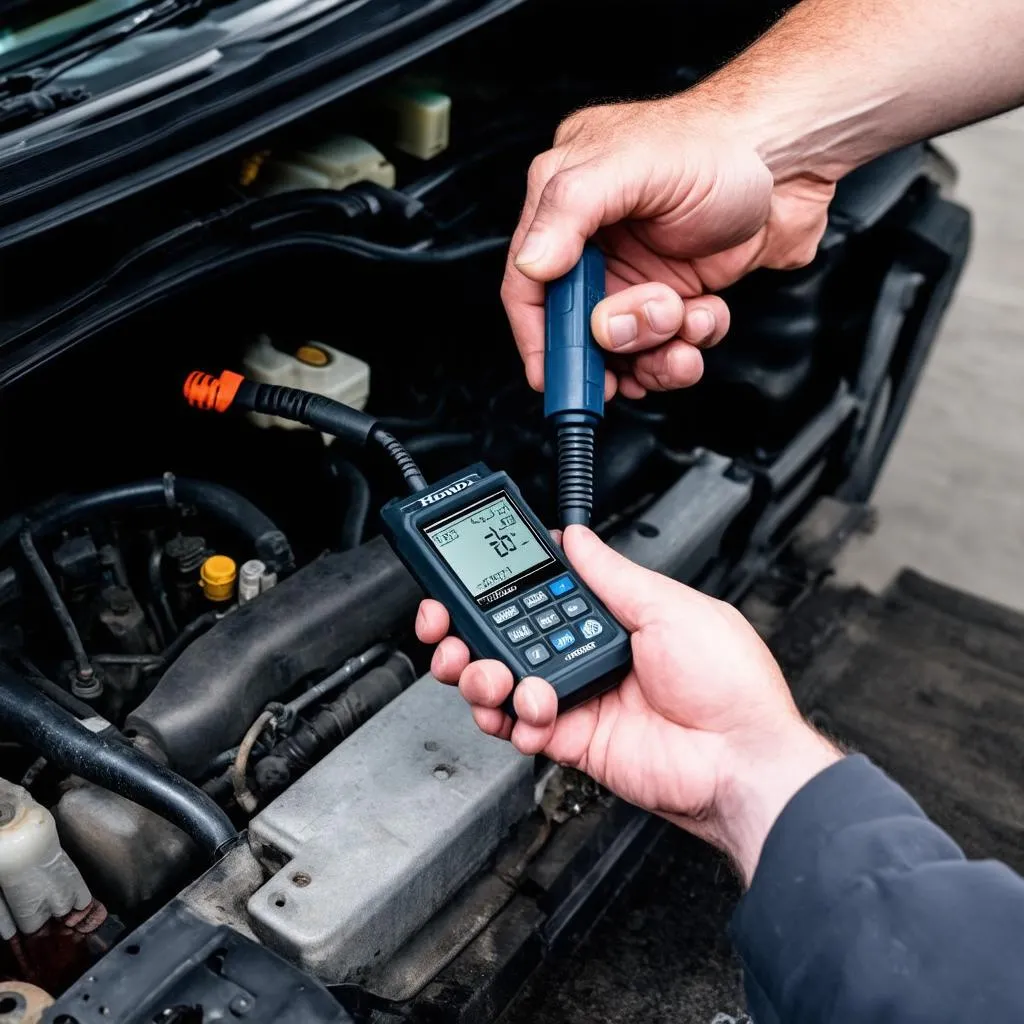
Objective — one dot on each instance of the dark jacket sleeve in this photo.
(862, 911)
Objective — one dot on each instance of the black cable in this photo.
(426, 444)
(397, 254)
(356, 501)
(406, 464)
(60, 696)
(60, 610)
(168, 491)
(191, 631)
(317, 411)
(59, 737)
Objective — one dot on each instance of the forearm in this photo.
(863, 910)
(838, 82)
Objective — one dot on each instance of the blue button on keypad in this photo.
(562, 639)
(561, 586)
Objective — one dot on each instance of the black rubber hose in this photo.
(230, 507)
(57, 735)
(196, 628)
(356, 501)
(334, 722)
(60, 609)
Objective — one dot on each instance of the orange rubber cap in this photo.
(205, 391)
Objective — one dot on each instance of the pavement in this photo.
(951, 498)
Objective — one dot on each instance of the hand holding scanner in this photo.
(474, 545)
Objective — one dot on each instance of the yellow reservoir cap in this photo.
(312, 355)
(217, 577)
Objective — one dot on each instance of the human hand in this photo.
(682, 205)
(702, 731)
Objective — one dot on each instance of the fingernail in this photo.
(622, 329)
(529, 705)
(439, 658)
(701, 324)
(419, 619)
(662, 316)
(532, 250)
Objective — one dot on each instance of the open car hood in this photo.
(164, 101)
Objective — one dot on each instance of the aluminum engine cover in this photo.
(380, 834)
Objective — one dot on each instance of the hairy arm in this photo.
(838, 82)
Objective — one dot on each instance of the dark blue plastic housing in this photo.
(573, 361)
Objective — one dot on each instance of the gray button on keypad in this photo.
(536, 654)
(535, 599)
(506, 614)
(517, 634)
(574, 606)
(547, 620)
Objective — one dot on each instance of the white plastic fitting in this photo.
(38, 881)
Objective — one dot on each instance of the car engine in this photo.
(213, 709)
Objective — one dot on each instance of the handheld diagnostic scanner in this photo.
(472, 543)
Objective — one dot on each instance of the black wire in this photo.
(397, 254)
(414, 479)
(356, 500)
(60, 610)
(68, 701)
(190, 632)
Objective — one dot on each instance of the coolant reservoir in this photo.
(313, 367)
(38, 881)
(333, 163)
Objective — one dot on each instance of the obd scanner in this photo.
(473, 544)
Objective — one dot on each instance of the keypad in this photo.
(540, 631)
(562, 639)
(506, 614)
(574, 607)
(536, 654)
(547, 620)
(520, 633)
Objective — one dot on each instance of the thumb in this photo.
(570, 209)
(631, 593)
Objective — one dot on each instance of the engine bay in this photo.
(241, 734)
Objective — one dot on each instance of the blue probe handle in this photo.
(573, 361)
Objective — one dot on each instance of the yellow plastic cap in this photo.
(311, 355)
(217, 577)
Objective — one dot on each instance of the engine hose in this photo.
(220, 502)
(334, 722)
(27, 714)
(575, 447)
(356, 501)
